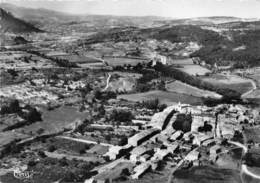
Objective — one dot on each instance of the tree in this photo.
(183, 122)
(51, 148)
(31, 163)
(121, 115)
(14, 106)
(151, 104)
(123, 140)
(108, 137)
(42, 154)
(161, 107)
(33, 115)
(63, 162)
(40, 131)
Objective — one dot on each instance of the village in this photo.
(202, 140)
(102, 99)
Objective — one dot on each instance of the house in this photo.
(173, 148)
(139, 122)
(200, 138)
(142, 136)
(116, 151)
(145, 157)
(160, 154)
(154, 165)
(209, 142)
(187, 136)
(112, 173)
(177, 135)
(137, 152)
(159, 138)
(214, 150)
(140, 170)
(113, 152)
(193, 155)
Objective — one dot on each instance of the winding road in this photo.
(250, 91)
(108, 79)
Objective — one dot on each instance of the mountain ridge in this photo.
(10, 23)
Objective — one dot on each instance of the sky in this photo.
(164, 8)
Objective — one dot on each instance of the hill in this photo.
(202, 21)
(46, 18)
(9, 23)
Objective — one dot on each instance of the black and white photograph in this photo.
(129, 91)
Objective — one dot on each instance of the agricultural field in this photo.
(183, 88)
(252, 134)
(233, 82)
(255, 75)
(187, 65)
(23, 60)
(186, 61)
(80, 59)
(26, 93)
(164, 97)
(56, 121)
(205, 174)
(195, 70)
(10, 136)
(121, 61)
(254, 95)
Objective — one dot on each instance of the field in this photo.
(120, 61)
(80, 59)
(252, 134)
(206, 175)
(183, 88)
(254, 94)
(56, 120)
(165, 97)
(229, 81)
(195, 70)
(187, 61)
(10, 136)
(256, 75)
(187, 65)
(23, 60)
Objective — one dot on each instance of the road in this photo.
(244, 166)
(108, 79)
(84, 141)
(250, 91)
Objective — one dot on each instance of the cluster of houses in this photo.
(158, 141)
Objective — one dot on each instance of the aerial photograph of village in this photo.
(130, 91)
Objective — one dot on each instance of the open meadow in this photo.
(164, 97)
(187, 65)
(232, 82)
(55, 121)
(121, 61)
(183, 88)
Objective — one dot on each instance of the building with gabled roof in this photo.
(140, 170)
(142, 136)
